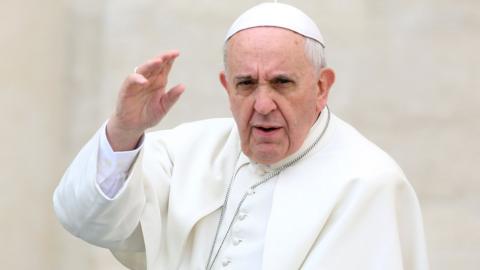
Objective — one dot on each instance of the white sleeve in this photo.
(87, 212)
(113, 167)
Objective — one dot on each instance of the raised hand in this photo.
(142, 102)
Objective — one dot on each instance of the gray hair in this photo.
(314, 51)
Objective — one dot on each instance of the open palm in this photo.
(143, 101)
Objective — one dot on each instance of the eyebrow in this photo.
(282, 77)
(243, 78)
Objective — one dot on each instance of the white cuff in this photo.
(113, 167)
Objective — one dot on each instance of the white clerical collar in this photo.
(315, 131)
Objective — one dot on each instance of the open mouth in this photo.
(266, 130)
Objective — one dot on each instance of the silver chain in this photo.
(210, 261)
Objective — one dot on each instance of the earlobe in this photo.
(325, 82)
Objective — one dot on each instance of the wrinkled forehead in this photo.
(271, 48)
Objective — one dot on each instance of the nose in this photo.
(264, 103)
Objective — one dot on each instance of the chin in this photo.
(266, 157)
(264, 153)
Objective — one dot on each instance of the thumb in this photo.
(171, 97)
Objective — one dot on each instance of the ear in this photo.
(325, 82)
(223, 80)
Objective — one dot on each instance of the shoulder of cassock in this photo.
(195, 144)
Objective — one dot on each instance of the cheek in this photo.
(234, 105)
(300, 116)
(241, 110)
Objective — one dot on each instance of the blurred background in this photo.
(408, 77)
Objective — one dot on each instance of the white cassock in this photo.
(345, 205)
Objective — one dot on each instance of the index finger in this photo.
(157, 64)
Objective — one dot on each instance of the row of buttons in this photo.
(237, 241)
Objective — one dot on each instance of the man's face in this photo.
(275, 94)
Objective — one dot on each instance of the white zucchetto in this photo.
(277, 15)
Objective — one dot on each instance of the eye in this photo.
(245, 83)
(281, 81)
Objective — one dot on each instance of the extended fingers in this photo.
(157, 65)
(168, 59)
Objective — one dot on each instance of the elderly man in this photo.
(286, 185)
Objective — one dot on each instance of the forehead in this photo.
(266, 46)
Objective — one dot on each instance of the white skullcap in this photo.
(277, 15)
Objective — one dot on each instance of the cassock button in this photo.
(242, 216)
(237, 241)
(226, 262)
(250, 191)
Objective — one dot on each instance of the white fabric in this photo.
(113, 166)
(243, 247)
(277, 15)
(347, 205)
